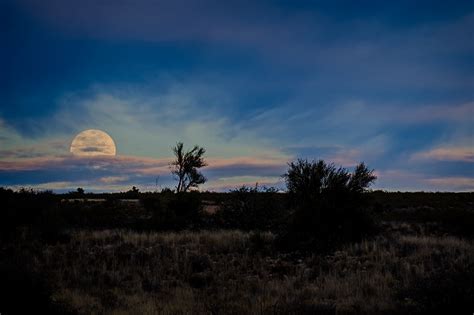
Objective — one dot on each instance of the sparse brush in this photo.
(234, 272)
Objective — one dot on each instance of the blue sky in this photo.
(257, 83)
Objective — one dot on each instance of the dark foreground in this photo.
(420, 261)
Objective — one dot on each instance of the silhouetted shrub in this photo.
(111, 213)
(36, 210)
(133, 193)
(260, 242)
(174, 211)
(444, 292)
(329, 205)
(24, 291)
(52, 225)
(151, 202)
(250, 208)
(187, 208)
(440, 213)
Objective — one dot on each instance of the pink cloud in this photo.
(67, 161)
(34, 150)
(412, 181)
(347, 158)
(228, 183)
(29, 164)
(462, 154)
(461, 112)
(148, 166)
(109, 171)
(113, 179)
(452, 183)
(246, 161)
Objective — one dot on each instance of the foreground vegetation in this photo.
(392, 253)
(234, 272)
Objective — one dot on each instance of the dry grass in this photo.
(123, 272)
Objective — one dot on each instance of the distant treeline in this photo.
(390, 198)
(248, 208)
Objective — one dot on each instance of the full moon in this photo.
(93, 142)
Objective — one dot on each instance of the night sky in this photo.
(256, 83)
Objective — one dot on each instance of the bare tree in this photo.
(185, 167)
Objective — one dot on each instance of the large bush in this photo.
(328, 203)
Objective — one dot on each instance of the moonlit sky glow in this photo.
(257, 83)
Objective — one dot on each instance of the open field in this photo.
(414, 264)
(117, 271)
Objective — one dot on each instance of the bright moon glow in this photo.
(93, 142)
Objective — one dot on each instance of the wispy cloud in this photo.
(461, 154)
(373, 115)
(144, 128)
(406, 180)
(452, 183)
(142, 172)
(255, 83)
(113, 179)
(233, 149)
(336, 154)
(363, 45)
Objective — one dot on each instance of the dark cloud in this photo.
(19, 153)
(90, 149)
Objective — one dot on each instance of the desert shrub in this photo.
(37, 210)
(456, 221)
(329, 205)
(250, 208)
(150, 201)
(442, 292)
(89, 214)
(26, 291)
(52, 225)
(174, 211)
